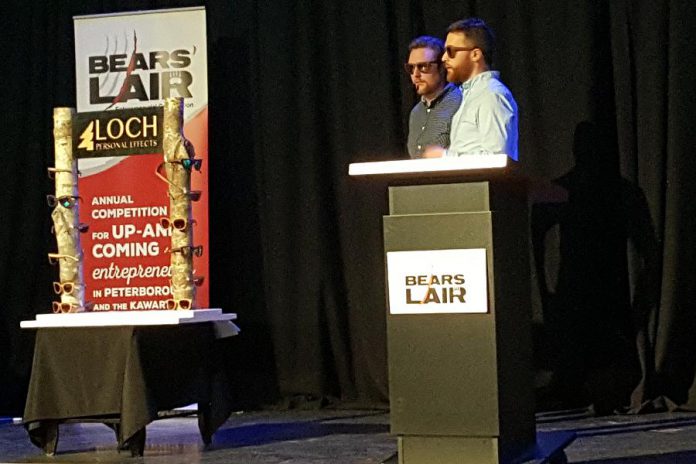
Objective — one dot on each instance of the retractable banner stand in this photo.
(126, 61)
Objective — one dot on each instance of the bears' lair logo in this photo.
(154, 75)
(439, 289)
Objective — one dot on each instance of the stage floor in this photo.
(348, 437)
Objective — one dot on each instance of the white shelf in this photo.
(122, 318)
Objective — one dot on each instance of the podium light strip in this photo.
(461, 163)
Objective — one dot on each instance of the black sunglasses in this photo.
(188, 250)
(451, 50)
(425, 68)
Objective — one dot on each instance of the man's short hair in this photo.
(478, 32)
(426, 41)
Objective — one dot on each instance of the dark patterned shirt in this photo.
(429, 124)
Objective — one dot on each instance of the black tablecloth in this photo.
(125, 375)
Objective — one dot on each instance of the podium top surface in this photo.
(461, 165)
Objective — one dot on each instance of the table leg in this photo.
(116, 427)
(204, 423)
(49, 437)
(136, 443)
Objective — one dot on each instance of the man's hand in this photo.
(433, 151)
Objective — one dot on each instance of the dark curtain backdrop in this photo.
(300, 89)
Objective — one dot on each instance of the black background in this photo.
(300, 89)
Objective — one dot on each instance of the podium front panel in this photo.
(464, 376)
(431, 394)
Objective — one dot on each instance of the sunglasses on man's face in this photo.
(451, 50)
(178, 223)
(184, 303)
(66, 201)
(426, 67)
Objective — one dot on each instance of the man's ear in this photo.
(477, 54)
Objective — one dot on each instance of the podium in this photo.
(456, 244)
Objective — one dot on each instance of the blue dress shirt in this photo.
(487, 120)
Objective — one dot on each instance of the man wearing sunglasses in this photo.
(486, 121)
(429, 122)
